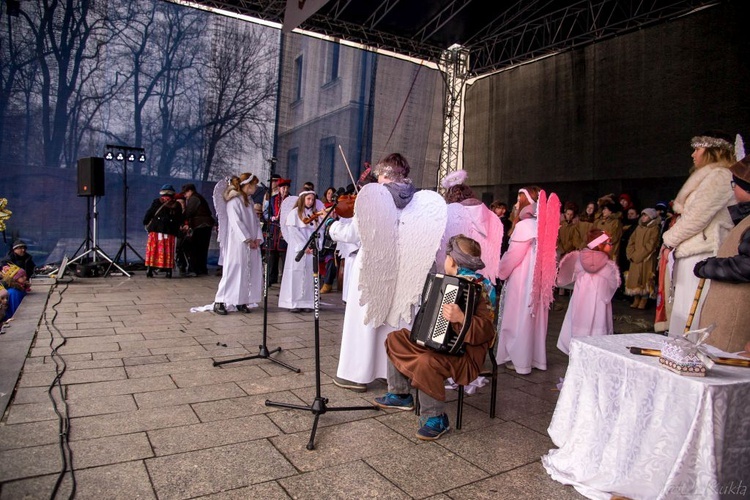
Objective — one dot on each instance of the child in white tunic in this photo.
(297, 292)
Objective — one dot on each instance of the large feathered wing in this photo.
(286, 206)
(545, 266)
(458, 222)
(420, 231)
(220, 205)
(377, 218)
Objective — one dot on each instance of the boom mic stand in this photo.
(263, 352)
(319, 405)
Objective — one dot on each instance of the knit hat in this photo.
(650, 212)
(12, 272)
(18, 244)
(166, 190)
(625, 196)
(741, 173)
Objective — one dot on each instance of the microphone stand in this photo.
(319, 405)
(263, 352)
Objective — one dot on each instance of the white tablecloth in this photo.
(624, 424)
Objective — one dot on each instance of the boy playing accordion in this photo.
(428, 369)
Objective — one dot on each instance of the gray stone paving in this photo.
(151, 417)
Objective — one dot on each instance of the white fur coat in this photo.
(704, 221)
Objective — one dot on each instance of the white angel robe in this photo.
(347, 250)
(522, 329)
(220, 205)
(242, 277)
(363, 358)
(297, 284)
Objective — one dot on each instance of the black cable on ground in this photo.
(64, 419)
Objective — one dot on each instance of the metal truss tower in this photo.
(454, 66)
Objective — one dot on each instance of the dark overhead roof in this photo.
(497, 33)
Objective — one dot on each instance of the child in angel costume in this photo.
(297, 283)
(469, 216)
(242, 278)
(399, 231)
(427, 369)
(596, 279)
(529, 269)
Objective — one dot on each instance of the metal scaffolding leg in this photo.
(454, 65)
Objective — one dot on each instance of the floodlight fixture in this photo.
(131, 157)
(142, 158)
(120, 156)
(109, 156)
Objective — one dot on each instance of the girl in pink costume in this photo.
(596, 279)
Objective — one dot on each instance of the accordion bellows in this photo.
(679, 356)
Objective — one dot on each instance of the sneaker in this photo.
(348, 384)
(396, 401)
(433, 427)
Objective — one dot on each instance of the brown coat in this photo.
(641, 252)
(613, 227)
(428, 369)
(569, 237)
(726, 303)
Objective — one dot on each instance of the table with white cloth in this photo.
(626, 425)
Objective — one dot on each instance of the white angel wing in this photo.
(487, 229)
(286, 206)
(420, 231)
(458, 222)
(220, 205)
(377, 219)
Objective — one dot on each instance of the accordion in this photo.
(430, 328)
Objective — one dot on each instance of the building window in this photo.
(332, 62)
(326, 162)
(292, 157)
(298, 78)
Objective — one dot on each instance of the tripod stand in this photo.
(92, 242)
(319, 405)
(263, 352)
(123, 251)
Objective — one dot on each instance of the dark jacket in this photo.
(26, 262)
(735, 268)
(197, 212)
(167, 220)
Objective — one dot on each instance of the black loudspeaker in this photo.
(91, 176)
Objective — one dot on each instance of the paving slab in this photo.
(351, 480)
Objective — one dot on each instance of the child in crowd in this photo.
(610, 223)
(3, 306)
(16, 282)
(641, 252)
(596, 279)
(428, 369)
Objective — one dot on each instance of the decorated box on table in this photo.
(686, 355)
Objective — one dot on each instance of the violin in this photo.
(314, 215)
(345, 206)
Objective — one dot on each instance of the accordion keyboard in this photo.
(441, 324)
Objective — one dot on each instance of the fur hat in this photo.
(611, 207)
(166, 190)
(741, 173)
(651, 212)
(19, 244)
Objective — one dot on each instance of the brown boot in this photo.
(643, 302)
(326, 288)
(636, 302)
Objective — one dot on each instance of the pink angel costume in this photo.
(596, 279)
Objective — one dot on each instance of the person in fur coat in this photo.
(641, 254)
(610, 222)
(703, 221)
(596, 279)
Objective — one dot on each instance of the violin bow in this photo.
(346, 163)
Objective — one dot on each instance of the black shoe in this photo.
(307, 310)
(169, 273)
(220, 309)
(150, 273)
(243, 308)
(295, 310)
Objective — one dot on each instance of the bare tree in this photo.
(241, 79)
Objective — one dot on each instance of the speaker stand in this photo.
(91, 243)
